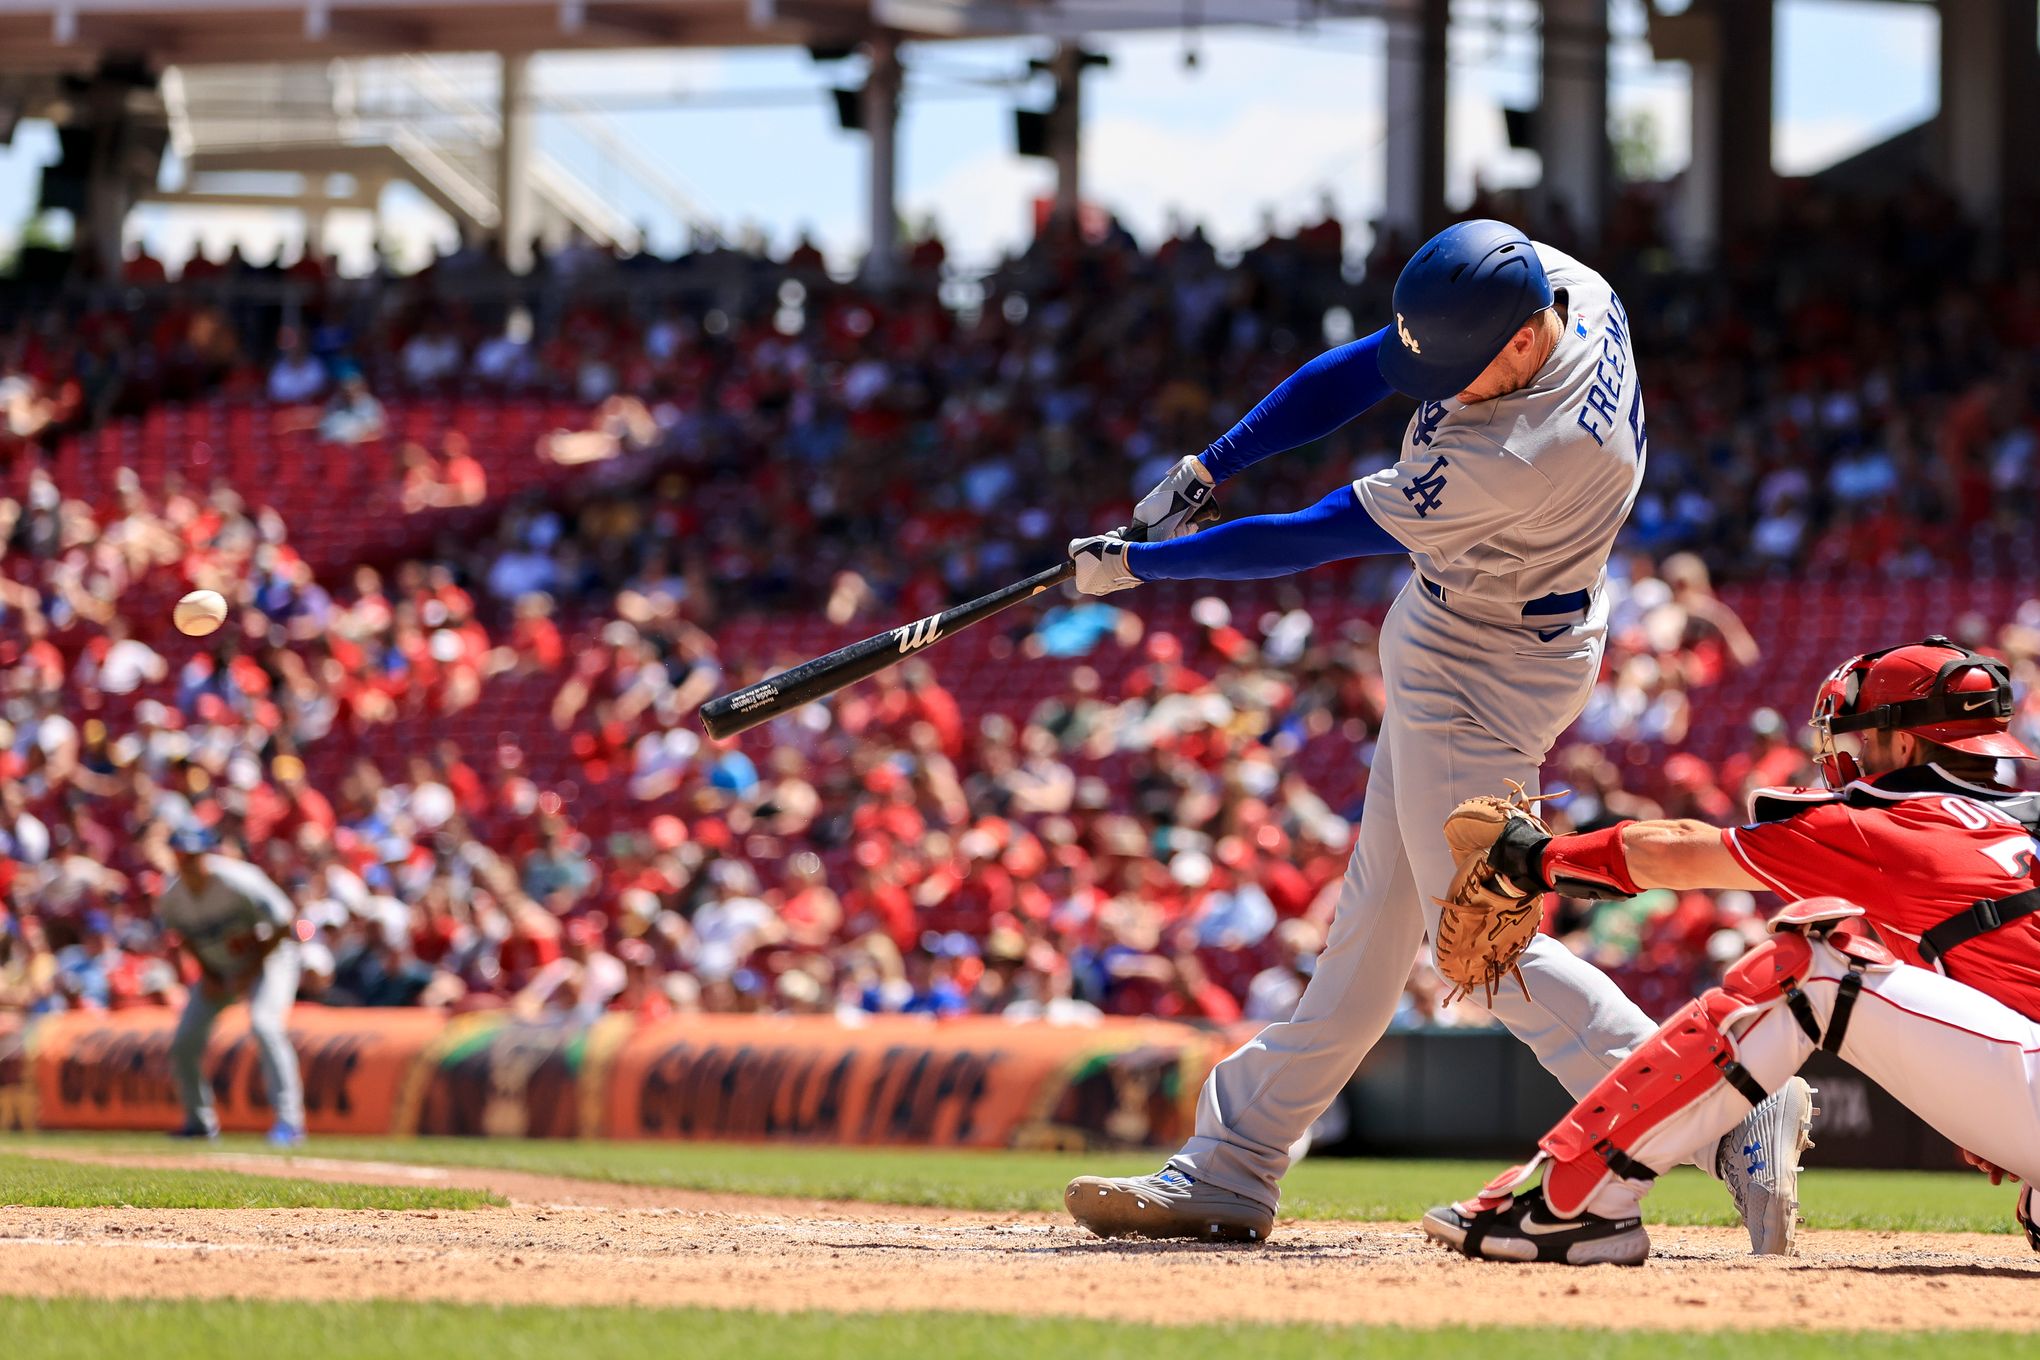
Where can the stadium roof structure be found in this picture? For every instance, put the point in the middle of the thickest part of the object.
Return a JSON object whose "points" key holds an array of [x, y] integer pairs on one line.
{"points": [[69, 59], [266, 87], [44, 35]]}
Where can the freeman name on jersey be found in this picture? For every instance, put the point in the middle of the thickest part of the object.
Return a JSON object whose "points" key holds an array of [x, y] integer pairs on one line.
{"points": [[1604, 397]]}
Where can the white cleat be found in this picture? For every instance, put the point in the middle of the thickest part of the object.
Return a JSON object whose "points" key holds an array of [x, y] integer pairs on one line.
{"points": [[1759, 1162]]}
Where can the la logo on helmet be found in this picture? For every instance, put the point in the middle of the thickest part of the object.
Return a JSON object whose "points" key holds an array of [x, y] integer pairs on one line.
{"points": [[1403, 333]]}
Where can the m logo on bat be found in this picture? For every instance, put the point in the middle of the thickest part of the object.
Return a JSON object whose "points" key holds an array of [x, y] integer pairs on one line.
{"points": [[915, 636]]}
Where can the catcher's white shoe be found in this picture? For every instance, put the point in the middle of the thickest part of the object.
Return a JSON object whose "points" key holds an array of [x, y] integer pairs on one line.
{"points": [[1759, 1162], [1166, 1204]]}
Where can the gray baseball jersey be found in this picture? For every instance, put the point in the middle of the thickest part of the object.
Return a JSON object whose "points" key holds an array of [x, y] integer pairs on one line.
{"points": [[1519, 499], [237, 899]]}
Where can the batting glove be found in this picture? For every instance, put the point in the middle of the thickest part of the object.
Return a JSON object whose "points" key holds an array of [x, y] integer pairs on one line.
{"points": [[1180, 502], [1101, 564]]}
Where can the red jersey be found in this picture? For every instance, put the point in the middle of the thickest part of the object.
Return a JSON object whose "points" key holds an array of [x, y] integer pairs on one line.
{"points": [[1912, 848]]}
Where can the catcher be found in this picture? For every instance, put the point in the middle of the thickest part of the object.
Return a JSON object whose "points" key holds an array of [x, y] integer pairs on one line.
{"points": [[1910, 948]]}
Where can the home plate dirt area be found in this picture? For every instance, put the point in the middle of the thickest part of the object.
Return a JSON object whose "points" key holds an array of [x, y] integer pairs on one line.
{"points": [[578, 1242]]}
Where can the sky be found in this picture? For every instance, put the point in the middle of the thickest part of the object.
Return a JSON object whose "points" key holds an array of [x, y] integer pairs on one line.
{"points": [[1264, 122]]}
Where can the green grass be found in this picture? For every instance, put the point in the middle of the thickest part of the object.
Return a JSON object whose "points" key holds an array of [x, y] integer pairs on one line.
{"points": [[70, 1329], [1954, 1201], [41, 1183]]}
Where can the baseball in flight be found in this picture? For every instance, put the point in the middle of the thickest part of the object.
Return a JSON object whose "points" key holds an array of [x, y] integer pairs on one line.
{"points": [[200, 612]]}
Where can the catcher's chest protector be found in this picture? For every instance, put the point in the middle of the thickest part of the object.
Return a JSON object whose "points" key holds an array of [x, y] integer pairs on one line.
{"points": [[1690, 1055]]}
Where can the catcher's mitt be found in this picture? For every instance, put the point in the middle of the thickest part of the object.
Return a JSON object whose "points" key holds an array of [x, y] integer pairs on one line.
{"points": [[1487, 918]]}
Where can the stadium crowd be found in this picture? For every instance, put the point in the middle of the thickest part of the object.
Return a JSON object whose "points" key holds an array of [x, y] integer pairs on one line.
{"points": [[1852, 392], [1157, 834]]}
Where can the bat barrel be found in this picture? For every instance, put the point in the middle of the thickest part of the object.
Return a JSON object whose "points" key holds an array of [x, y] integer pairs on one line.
{"points": [[740, 710], [722, 717]]}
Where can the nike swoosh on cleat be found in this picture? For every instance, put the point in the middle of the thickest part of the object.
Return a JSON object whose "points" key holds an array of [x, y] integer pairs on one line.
{"points": [[1534, 1226], [1537, 1227]]}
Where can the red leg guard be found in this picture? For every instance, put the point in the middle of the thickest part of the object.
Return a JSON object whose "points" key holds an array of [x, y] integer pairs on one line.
{"points": [[1683, 1061]]}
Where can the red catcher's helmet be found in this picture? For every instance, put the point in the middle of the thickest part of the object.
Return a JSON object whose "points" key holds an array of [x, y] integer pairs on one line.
{"points": [[1936, 690]]}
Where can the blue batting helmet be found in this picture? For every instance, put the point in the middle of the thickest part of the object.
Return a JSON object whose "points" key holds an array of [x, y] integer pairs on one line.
{"points": [[1457, 302]]}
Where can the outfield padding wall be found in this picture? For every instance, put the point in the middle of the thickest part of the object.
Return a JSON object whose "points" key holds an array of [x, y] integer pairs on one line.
{"points": [[969, 1082]]}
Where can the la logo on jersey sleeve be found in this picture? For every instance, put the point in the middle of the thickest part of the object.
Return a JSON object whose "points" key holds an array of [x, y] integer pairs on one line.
{"points": [[1424, 490]]}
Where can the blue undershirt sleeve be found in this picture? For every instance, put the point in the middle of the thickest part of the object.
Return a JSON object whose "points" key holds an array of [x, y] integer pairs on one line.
{"points": [[1311, 402], [1259, 546]]}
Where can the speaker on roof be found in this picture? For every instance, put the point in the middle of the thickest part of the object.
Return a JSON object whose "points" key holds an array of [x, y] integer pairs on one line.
{"points": [[1030, 132], [849, 109]]}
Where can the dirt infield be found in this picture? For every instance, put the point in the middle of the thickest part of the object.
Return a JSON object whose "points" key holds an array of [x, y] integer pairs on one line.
{"points": [[578, 1242]]}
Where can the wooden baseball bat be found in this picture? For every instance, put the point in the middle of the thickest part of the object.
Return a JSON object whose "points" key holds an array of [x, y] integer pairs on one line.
{"points": [[740, 710]]}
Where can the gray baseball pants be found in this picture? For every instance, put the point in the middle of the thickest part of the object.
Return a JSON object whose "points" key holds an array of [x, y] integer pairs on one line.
{"points": [[269, 1005], [1470, 705]]}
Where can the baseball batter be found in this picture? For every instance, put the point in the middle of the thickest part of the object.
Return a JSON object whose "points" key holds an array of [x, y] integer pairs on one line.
{"points": [[236, 925], [1922, 971], [1516, 473]]}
